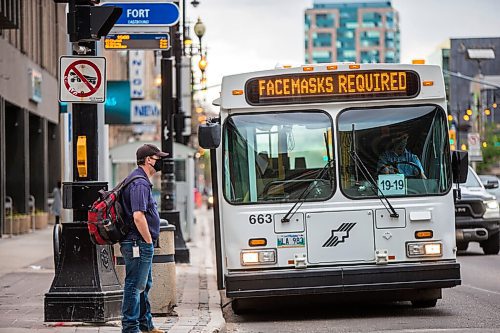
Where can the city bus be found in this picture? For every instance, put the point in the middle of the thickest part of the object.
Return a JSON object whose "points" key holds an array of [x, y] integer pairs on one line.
{"points": [[334, 178]]}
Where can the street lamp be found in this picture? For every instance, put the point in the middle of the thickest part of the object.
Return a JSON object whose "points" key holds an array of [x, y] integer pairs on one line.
{"points": [[202, 64], [199, 30]]}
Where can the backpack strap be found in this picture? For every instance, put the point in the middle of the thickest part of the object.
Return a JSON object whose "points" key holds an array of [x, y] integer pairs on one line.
{"points": [[127, 182]]}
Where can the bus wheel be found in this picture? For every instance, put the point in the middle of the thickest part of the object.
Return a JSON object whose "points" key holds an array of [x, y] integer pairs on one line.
{"points": [[237, 307], [428, 303]]}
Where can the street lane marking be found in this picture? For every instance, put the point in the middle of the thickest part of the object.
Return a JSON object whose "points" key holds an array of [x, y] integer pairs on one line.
{"points": [[481, 289], [464, 329]]}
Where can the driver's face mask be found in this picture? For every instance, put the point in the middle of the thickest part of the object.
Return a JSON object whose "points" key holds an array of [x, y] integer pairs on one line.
{"points": [[399, 148]]}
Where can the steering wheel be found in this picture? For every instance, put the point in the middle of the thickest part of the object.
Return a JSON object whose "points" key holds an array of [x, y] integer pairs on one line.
{"points": [[394, 165], [267, 187]]}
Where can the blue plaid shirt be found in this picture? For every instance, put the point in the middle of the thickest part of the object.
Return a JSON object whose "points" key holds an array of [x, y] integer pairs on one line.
{"points": [[391, 159]]}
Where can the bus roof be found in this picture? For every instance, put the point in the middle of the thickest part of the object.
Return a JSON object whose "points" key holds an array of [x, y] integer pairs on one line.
{"points": [[345, 82]]}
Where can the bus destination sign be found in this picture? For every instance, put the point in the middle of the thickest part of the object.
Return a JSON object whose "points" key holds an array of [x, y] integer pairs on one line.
{"points": [[327, 87], [137, 42]]}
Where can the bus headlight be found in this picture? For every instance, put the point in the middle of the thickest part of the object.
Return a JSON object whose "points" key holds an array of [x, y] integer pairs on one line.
{"points": [[492, 210], [258, 257], [424, 249]]}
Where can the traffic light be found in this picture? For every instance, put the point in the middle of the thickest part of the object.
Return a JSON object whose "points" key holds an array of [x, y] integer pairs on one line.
{"points": [[87, 23], [453, 136]]}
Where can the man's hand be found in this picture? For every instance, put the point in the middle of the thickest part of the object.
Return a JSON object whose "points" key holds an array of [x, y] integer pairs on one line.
{"points": [[142, 226], [388, 169]]}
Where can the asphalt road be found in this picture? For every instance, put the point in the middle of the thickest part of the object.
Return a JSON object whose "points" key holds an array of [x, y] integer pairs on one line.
{"points": [[472, 307]]}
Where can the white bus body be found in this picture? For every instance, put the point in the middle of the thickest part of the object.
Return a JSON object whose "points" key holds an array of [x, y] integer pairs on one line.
{"points": [[341, 237]]}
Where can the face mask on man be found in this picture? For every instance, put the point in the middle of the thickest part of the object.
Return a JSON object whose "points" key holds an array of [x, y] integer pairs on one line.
{"points": [[158, 165]]}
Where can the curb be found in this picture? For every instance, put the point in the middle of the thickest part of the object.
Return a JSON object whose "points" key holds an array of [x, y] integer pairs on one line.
{"points": [[217, 322]]}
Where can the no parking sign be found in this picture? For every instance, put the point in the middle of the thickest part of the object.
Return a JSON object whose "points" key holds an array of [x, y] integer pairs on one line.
{"points": [[82, 79]]}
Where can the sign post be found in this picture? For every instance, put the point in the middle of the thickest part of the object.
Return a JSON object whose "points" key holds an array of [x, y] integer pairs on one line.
{"points": [[141, 18]]}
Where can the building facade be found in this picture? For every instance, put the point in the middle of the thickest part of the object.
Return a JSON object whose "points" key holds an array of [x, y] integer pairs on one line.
{"points": [[362, 32], [473, 102], [32, 37]]}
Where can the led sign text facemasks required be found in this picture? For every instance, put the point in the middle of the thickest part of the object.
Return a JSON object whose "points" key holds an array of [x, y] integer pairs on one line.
{"points": [[324, 87]]}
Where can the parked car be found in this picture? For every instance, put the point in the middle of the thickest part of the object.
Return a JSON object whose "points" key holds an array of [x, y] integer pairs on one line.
{"points": [[477, 216], [491, 184]]}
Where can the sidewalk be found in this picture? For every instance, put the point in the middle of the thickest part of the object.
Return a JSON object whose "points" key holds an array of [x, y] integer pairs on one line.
{"points": [[27, 270]]}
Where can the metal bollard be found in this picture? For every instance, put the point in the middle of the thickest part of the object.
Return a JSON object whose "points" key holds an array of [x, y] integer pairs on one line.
{"points": [[162, 295]]}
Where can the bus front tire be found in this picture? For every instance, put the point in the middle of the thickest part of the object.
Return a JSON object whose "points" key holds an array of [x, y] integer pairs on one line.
{"points": [[428, 303], [237, 307]]}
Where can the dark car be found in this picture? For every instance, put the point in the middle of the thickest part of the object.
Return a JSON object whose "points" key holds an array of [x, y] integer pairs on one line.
{"points": [[477, 216]]}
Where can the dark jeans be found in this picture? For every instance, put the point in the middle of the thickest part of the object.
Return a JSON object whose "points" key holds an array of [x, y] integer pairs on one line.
{"points": [[136, 309]]}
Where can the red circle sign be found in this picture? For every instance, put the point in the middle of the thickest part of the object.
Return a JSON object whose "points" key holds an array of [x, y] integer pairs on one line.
{"points": [[75, 76]]}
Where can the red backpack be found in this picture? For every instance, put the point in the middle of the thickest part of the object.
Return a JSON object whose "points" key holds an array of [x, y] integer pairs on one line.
{"points": [[105, 218]]}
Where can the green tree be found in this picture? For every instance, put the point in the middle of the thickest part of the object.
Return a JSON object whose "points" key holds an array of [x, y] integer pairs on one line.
{"points": [[491, 153]]}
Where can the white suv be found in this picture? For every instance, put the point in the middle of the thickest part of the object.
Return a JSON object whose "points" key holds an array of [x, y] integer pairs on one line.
{"points": [[477, 216]]}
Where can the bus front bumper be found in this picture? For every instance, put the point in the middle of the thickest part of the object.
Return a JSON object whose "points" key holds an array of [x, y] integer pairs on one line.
{"points": [[320, 280]]}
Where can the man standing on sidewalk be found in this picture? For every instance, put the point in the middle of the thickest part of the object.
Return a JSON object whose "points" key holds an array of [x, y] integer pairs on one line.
{"points": [[140, 211]]}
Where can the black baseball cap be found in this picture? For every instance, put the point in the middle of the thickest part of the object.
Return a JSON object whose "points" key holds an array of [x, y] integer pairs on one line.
{"points": [[149, 150]]}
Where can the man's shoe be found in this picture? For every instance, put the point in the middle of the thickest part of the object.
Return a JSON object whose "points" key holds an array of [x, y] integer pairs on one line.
{"points": [[154, 330]]}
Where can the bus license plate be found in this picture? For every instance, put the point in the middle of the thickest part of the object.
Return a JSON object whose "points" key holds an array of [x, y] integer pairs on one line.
{"points": [[291, 240]]}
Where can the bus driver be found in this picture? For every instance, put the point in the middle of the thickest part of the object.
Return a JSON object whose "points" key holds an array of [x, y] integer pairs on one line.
{"points": [[397, 159]]}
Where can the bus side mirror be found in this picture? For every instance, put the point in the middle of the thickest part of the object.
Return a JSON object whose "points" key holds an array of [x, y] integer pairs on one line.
{"points": [[459, 166], [209, 135]]}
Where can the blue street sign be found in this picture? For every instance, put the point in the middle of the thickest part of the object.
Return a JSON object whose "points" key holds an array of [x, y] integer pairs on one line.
{"points": [[146, 13]]}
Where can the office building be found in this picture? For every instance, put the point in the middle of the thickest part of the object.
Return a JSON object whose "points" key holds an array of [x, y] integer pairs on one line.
{"points": [[32, 37], [362, 32]]}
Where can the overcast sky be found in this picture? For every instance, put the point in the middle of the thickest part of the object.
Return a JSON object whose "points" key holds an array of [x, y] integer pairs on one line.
{"points": [[249, 35]]}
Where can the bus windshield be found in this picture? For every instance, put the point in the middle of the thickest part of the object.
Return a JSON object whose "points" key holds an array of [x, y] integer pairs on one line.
{"points": [[394, 151], [278, 156]]}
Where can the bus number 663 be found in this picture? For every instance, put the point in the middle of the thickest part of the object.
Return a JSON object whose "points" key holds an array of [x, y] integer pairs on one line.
{"points": [[260, 218]]}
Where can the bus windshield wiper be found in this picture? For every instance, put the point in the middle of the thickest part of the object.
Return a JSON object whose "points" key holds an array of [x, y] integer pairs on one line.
{"points": [[376, 190], [305, 193], [364, 171]]}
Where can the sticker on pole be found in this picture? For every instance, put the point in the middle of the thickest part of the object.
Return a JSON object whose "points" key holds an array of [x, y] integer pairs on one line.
{"points": [[82, 79]]}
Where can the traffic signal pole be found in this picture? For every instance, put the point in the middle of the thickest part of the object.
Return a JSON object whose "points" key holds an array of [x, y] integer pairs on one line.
{"points": [[169, 106], [85, 286]]}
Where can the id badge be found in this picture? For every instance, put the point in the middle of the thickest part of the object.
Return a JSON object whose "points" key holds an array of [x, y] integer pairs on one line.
{"points": [[135, 251]]}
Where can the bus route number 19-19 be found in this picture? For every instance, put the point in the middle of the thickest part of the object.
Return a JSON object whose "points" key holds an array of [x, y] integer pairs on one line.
{"points": [[392, 184], [260, 218]]}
